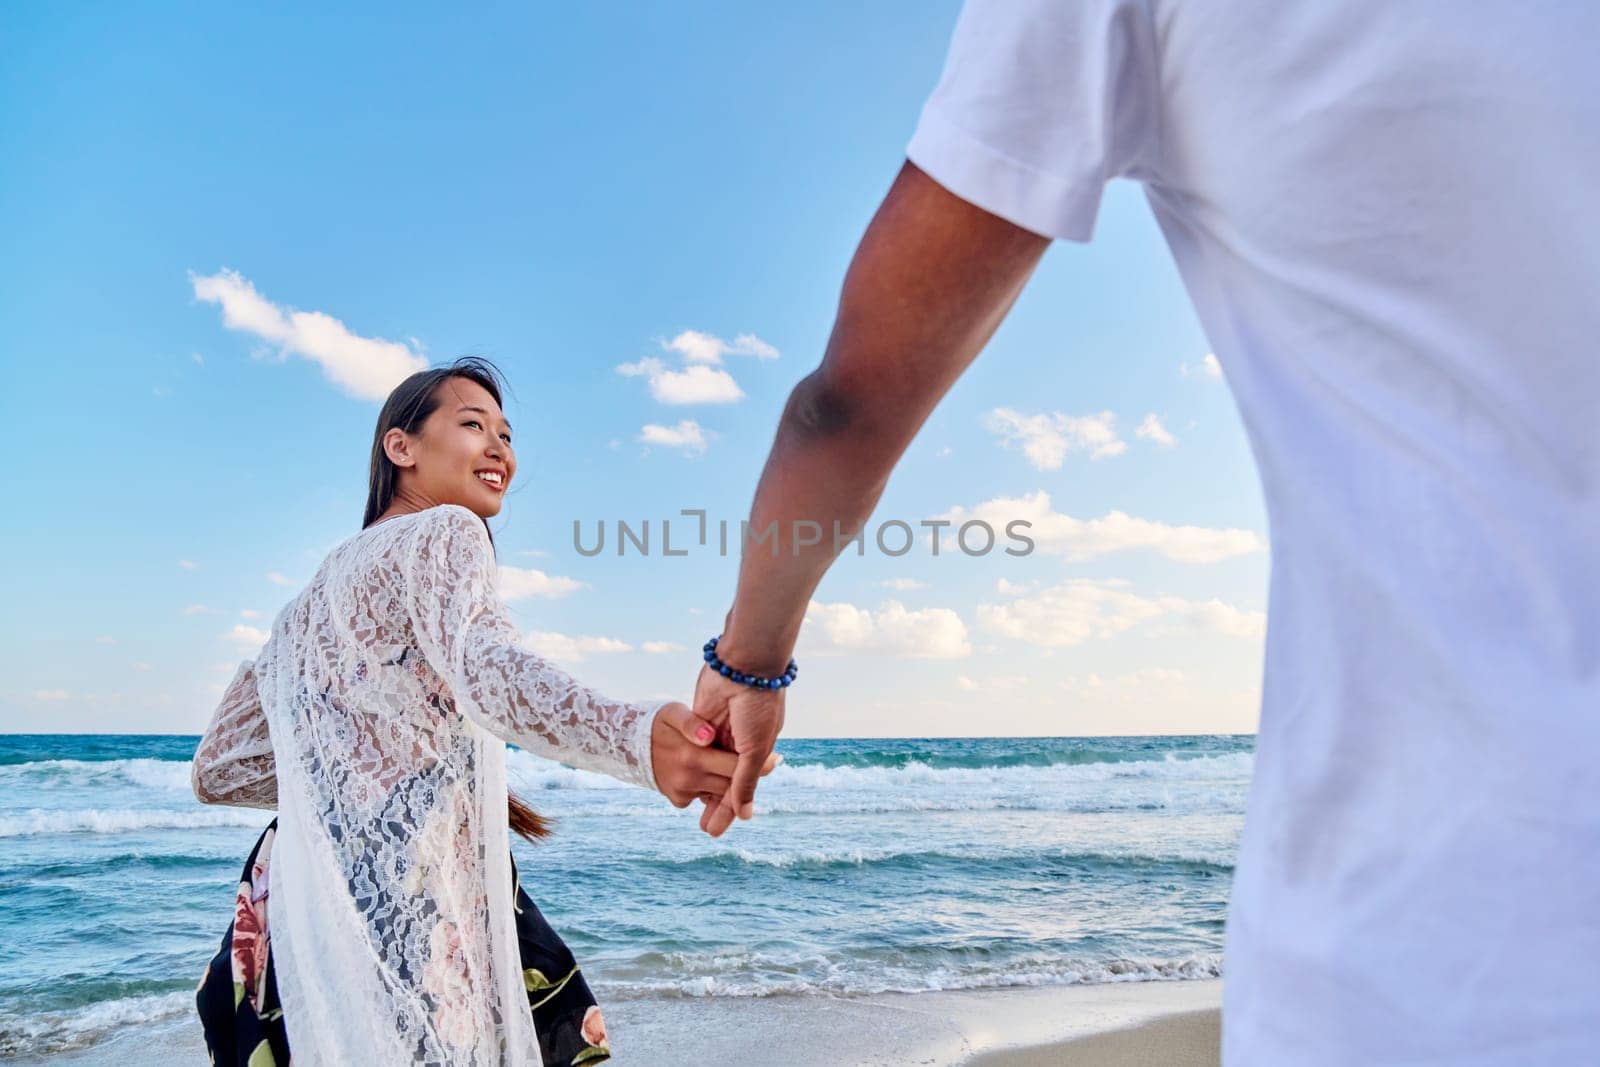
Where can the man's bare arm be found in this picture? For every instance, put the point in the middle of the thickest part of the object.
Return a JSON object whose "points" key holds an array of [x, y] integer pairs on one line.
{"points": [[930, 282]]}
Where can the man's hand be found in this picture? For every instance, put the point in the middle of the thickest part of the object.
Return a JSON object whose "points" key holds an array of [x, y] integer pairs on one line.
{"points": [[686, 768], [747, 721]]}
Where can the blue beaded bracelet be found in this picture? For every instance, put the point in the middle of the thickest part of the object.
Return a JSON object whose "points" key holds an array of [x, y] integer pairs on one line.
{"points": [[781, 682]]}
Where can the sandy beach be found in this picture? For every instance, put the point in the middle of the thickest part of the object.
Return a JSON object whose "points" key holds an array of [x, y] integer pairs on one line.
{"points": [[1192, 1039], [1170, 1023]]}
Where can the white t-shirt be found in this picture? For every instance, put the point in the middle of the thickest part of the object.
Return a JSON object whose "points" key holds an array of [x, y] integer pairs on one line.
{"points": [[1387, 215]]}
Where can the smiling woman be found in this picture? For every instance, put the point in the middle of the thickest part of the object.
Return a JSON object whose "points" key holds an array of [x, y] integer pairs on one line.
{"points": [[375, 720], [442, 436]]}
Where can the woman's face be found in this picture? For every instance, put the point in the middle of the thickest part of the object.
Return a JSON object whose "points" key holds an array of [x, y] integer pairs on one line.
{"points": [[458, 452]]}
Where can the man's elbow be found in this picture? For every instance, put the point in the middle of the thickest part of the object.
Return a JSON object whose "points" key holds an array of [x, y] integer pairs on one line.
{"points": [[819, 409]]}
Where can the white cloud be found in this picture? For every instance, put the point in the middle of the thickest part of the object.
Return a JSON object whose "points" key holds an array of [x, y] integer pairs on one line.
{"points": [[199, 609], [105, 639], [534, 552], [1014, 588], [748, 344], [565, 648], [246, 613], [51, 694], [698, 347], [995, 683], [1084, 609], [662, 646], [687, 435], [160, 391], [647, 366], [1206, 368], [1145, 681], [1068, 614], [905, 583], [188, 564], [1079, 539], [277, 579], [364, 367], [703, 381], [1211, 616], [1151, 429], [1046, 439], [246, 636], [198, 358], [844, 629], [522, 583], [139, 665], [693, 385]]}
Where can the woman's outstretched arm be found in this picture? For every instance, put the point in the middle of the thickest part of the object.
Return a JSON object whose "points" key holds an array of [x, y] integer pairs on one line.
{"points": [[467, 635], [234, 763]]}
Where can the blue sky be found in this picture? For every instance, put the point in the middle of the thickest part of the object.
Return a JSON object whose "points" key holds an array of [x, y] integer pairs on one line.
{"points": [[570, 192]]}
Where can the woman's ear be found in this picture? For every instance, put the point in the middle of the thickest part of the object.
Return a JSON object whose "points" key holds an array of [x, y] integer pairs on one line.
{"points": [[397, 446]]}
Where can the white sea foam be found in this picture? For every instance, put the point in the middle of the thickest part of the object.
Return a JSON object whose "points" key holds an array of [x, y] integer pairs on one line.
{"points": [[752, 975], [168, 775], [125, 820], [778, 800], [58, 1031], [916, 774], [532, 773], [864, 855]]}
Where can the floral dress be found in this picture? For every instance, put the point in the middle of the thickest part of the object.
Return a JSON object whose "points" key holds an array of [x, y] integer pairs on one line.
{"points": [[243, 1019]]}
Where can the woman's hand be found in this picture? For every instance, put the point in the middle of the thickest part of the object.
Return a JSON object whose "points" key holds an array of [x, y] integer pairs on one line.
{"points": [[686, 770]]}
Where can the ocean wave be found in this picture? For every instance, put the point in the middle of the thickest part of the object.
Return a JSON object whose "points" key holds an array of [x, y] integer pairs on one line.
{"points": [[531, 773], [751, 975], [125, 863], [117, 821], [49, 1032], [992, 753], [1218, 861], [777, 801], [166, 775], [1234, 765]]}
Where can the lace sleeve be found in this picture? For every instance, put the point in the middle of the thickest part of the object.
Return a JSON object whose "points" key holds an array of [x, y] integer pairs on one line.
{"points": [[234, 763], [466, 633]]}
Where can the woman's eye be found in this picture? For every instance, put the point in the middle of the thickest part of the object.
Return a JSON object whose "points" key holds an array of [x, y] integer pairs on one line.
{"points": [[479, 425]]}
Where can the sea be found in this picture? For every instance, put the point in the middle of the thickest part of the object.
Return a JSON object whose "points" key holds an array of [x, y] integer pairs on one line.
{"points": [[871, 866]]}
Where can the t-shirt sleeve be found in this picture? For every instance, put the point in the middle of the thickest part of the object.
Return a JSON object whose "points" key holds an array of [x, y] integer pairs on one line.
{"points": [[468, 637], [1041, 102]]}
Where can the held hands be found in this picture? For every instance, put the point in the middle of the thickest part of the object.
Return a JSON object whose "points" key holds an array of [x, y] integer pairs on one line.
{"points": [[687, 768], [747, 721]]}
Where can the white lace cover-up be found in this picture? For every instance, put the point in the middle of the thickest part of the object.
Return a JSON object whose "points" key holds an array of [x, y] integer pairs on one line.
{"points": [[375, 719]]}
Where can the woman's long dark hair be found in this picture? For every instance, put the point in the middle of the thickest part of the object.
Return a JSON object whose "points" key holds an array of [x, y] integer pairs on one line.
{"points": [[407, 408]]}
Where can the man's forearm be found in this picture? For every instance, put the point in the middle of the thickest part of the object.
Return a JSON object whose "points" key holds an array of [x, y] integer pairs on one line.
{"points": [[931, 280], [825, 473]]}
